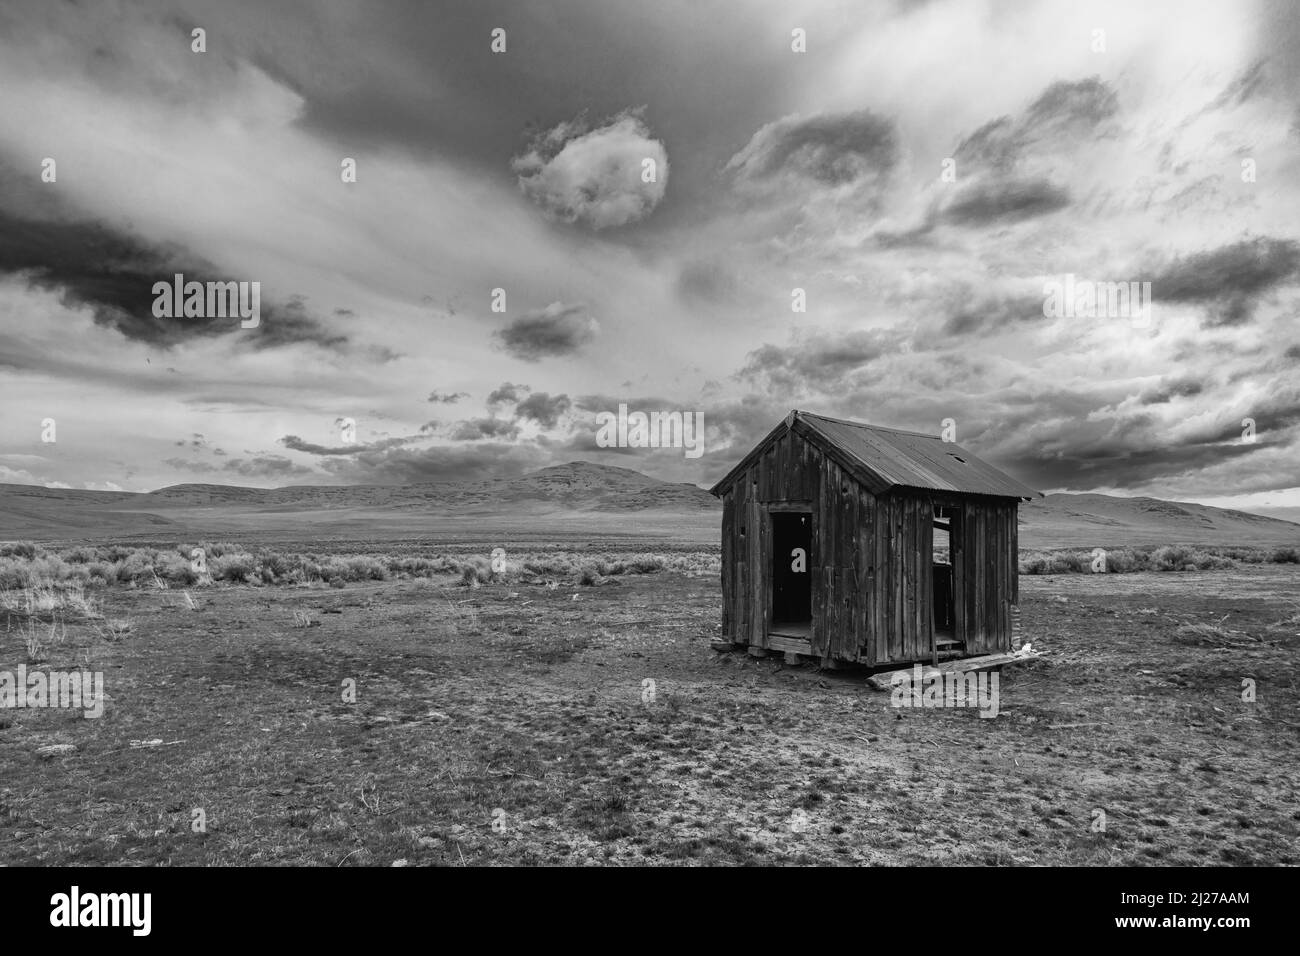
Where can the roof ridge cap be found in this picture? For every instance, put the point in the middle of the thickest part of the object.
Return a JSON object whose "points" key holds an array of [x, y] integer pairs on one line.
{"points": [[868, 425]]}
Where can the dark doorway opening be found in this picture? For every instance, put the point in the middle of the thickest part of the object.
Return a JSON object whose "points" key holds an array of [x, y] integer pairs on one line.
{"points": [[947, 545], [792, 571]]}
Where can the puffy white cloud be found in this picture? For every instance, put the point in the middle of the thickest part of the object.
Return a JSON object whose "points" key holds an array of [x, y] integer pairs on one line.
{"points": [[596, 176]]}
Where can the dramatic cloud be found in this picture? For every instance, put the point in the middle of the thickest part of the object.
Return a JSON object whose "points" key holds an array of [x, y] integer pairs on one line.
{"points": [[478, 428], [1230, 279], [543, 409], [1006, 200], [1157, 161], [506, 392], [817, 359], [1168, 391], [601, 177], [1055, 122], [114, 274], [294, 443], [555, 330], [973, 310], [94, 265], [837, 149]]}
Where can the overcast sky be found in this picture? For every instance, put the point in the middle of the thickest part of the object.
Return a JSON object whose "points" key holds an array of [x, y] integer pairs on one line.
{"points": [[1113, 156]]}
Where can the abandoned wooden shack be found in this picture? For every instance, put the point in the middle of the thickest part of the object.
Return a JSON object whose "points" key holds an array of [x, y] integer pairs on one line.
{"points": [[830, 530]]}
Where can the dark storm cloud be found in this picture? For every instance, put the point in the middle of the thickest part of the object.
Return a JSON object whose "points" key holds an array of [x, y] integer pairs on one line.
{"points": [[1006, 200], [819, 359], [994, 187], [506, 392], [540, 407], [446, 398], [1090, 460], [424, 77], [556, 330], [291, 323], [109, 272], [1230, 280], [830, 149], [113, 274], [1079, 440]]}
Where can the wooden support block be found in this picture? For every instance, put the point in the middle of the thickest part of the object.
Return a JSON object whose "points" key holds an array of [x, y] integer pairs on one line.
{"points": [[790, 645], [984, 662], [757, 652]]}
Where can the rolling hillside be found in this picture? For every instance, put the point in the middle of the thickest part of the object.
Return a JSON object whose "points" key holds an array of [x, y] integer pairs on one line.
{"points": [[574, 496], [1059, 521]]}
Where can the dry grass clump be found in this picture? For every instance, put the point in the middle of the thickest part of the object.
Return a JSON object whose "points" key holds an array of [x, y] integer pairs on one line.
{"points": [[1169, 557]]}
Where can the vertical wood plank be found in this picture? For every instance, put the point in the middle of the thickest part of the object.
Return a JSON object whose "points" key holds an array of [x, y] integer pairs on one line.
{"points": [[828, 557], [744, 543], [758, 574], [850, 636], [1015, 553], [728, 556], [864, 554]]}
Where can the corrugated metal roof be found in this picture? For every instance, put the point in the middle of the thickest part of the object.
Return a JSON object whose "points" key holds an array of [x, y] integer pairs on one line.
{"points": [[904, 459]]}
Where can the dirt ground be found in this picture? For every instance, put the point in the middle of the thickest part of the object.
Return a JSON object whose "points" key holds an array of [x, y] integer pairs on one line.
{"points": [[511, 724]]}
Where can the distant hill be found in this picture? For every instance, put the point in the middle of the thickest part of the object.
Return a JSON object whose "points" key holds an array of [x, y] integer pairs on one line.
{"points": [[1061, 520], [577, 489], [574, 496], [580, 485]]}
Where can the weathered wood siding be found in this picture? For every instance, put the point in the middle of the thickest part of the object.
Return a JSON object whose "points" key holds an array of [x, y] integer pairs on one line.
{"points": [[871, 584], [847, 564], [985, 566], [904, 592]]}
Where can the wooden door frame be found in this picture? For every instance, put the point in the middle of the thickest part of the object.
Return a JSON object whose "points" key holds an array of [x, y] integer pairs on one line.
{"points": [[787, 506], [956, 513]]}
